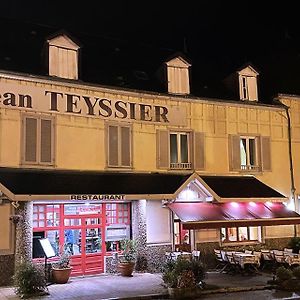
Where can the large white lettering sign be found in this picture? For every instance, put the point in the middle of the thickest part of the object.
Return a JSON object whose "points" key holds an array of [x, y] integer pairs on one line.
{"points": [[59, 101]]}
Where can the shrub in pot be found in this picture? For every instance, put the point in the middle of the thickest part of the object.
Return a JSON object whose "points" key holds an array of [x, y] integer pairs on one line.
{"points": [[182, 277], [128, 257], [61, 270]]}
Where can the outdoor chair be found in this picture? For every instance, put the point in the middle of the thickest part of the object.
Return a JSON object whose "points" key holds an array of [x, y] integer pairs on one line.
{"points": [[196, 254], [267, 257], [279, 257], [218, 257], [234, 266]]}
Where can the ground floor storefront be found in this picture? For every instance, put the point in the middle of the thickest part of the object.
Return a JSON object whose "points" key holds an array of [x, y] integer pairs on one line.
{"points": [[89, 213]]}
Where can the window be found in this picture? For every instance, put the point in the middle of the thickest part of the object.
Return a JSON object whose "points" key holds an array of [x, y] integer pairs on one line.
{"points": [[119, 146], [248, 84], [248, 153], [179, 151], [38, 141], [241, 234], [244, 88]]}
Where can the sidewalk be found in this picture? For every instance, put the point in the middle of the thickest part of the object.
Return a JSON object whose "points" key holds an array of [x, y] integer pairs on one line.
{"points": [[140, 286]]}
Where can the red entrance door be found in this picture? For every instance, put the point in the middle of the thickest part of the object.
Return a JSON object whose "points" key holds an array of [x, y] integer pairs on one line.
{"points": [[83, 233]]}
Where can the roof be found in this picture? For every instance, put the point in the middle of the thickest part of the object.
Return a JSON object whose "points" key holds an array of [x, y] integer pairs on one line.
{"points": [[131, 64], [240, 187], [217, 215], [53, 182]]}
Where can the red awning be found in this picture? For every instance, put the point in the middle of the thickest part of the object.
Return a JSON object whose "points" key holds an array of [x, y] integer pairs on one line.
{"points": [[231, 214]]}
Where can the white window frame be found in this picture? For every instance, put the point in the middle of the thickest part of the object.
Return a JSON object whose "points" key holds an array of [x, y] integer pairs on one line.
{"points": [[179, 164], [39, 118], [244, 88], [226, 239], [248, 166]]}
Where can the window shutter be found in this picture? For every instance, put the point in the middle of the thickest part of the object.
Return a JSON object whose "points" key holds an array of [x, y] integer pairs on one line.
{"points": [[252, 88], [30, 140], [46, 141], [234, 153], [112, 145], [199, 159], [163, 149], [125, 146], [266, 153]]}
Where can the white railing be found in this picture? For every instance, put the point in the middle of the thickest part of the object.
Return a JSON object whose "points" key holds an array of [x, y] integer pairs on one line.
{"points": [[180, 166], [250, 168]]}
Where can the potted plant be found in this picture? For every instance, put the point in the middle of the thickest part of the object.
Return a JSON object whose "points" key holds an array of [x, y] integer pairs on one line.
{"points": [[128, 256], [61, 270], [182, 277]]}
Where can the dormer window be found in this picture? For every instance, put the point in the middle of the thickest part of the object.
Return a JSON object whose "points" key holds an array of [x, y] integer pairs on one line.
{"points": [[248, 84], [63, 57], [178, 76]]}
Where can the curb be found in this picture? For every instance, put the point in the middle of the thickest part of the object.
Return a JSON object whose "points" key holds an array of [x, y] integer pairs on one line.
{"points": [[199, 293]]}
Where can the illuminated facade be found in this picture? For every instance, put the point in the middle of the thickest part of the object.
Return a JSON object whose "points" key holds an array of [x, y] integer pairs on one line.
{"points": [[55, 127]]}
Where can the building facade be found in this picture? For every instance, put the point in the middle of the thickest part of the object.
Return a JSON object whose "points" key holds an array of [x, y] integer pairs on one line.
{"points": [[86, 165]]}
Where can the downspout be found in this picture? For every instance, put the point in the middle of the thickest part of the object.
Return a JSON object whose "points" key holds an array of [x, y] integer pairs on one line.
{"points": [[293, 189]]}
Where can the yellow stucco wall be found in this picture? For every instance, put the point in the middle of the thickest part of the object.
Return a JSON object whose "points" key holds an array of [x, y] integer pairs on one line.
{"points": [[80, 140]]}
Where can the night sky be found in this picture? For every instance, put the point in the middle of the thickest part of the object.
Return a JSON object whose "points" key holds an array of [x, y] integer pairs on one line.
{"points": [[215, 35]]}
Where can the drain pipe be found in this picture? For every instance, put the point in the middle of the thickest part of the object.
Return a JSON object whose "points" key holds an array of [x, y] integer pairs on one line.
{"points": [[293, 189]]}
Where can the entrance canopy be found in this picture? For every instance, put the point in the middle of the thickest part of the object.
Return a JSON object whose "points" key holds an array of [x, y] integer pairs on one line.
{"points": [[232, 214], [34, 184]]}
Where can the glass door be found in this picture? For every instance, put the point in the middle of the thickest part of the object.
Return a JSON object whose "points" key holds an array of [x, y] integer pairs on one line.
{"points": [[83, 237]]}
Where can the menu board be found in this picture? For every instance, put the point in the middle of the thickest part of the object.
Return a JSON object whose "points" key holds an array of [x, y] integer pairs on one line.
{"points": [[47, 248]]}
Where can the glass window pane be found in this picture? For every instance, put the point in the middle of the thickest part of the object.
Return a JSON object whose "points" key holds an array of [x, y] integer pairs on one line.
{"points": [[232, 234], [252, 152], [243, 234], [72, 241], [243, 152], [93, 240], [35, 224], [52, 235], [173, 148], [184, 148], [41, 223], [72, 222], [254, 233]]}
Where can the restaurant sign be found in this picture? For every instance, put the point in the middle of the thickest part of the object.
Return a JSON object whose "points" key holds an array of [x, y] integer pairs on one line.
{"points": [[105, 197], [88, 104]]}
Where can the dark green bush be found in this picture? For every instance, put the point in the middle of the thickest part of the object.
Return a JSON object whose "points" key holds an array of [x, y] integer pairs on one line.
{"points": [[296, 272], [294, 244], [283, 274], [29, 280], [175, 271]]}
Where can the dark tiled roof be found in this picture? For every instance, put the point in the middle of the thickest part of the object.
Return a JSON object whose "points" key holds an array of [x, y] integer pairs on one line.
{"points": [[240, 187], [134, 65], [50, 182]]}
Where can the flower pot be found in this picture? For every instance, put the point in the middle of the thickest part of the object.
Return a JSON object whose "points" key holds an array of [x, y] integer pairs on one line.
{"points": [[181, 293], [61, 275], [126, 268]]}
